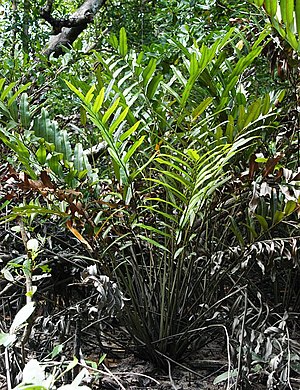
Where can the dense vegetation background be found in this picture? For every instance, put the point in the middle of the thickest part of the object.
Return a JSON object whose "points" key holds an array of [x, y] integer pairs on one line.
{"points": [[149, 189]]}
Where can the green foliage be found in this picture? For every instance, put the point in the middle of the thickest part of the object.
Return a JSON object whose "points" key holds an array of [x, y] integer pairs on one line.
{"points": [[173, 136], [175, 173], [285, 18]]}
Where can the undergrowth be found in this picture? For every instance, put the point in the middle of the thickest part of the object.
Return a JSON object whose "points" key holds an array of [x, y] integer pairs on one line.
{"points": [[181, 184]]}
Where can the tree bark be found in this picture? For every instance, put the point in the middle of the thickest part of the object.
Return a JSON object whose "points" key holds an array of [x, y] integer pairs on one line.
{"points": [[78, 22], [25, 26]]}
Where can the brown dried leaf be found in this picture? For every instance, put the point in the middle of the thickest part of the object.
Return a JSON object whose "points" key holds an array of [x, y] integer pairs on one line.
{"points": [[253, 166], [271, 164], [78, 235], [46, 180]]}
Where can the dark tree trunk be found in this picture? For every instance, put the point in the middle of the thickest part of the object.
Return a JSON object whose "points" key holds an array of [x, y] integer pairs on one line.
{"points": [[25, 26]]}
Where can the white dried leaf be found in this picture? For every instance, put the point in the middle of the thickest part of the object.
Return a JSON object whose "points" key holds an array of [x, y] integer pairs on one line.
{"points": [[22, 316], [32, 245], [33, 373]]}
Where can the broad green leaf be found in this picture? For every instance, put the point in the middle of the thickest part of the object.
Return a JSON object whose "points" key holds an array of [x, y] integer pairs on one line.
{"points": [[7, 90], [140, 58], [113, 40], [283, 12], [104, 132], [291, 38], [149, 70], [75, 90], [20, 149], [63, 145], [110, 111], [2, 81], [5, 110], [297, 13], [193, 154], [129, 132], [24, 111], [230, 129], [253, 112], [118, 120], [289, 207], [201, 108], [219, 135], [289, 13], [83, 117], [123, 42], [54, 163], [133, 148], [241, 118], [153, 85], [271, 7], [98, 101], [279, 28], [115, 156], [262, 221], [78, 157], [278, 217], [56, 350], [41, 154], [188, 89], [230, 86], [17, 93], [244, 62], [89, 96], [194, 65]]}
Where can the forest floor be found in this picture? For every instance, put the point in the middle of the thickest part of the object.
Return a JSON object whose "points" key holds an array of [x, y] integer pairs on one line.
{"points": [[68, 317]]}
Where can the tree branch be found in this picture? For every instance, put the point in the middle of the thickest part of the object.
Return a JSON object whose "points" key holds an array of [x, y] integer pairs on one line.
{"points": [[67, 30]]}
